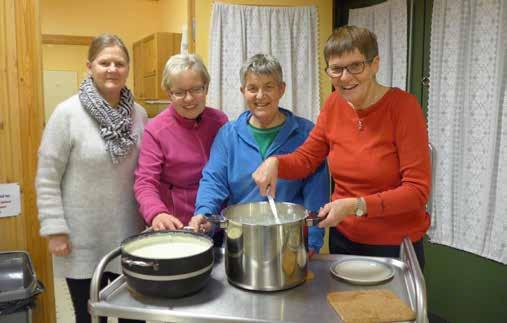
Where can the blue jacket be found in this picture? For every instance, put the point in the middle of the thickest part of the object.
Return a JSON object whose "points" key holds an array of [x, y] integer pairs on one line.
{"points": [[227, 177]]}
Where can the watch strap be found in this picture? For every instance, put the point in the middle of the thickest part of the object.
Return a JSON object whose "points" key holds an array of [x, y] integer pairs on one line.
{"points": [[359, 207]]}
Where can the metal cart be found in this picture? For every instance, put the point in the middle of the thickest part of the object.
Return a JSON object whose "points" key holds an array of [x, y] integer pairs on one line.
{"points": [[220, 301]]}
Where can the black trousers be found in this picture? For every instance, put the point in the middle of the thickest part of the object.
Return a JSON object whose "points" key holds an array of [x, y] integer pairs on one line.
{"points": [[338, 243], [80, 293]]}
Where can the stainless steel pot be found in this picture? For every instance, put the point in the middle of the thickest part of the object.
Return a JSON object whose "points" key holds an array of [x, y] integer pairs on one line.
{"points": [[262, 253]]}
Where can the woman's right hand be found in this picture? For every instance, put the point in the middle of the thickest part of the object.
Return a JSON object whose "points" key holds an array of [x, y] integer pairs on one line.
{"points": [[200, 223], [265, 176], [164, 221], [59, 245]]}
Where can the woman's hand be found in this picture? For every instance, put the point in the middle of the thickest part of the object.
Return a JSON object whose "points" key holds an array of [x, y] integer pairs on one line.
{"points": [[164, 221], [59, 245], [336, 211], [200, 223], [265, 176]]}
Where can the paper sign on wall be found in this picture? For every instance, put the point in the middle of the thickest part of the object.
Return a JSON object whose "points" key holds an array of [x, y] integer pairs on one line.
{"points": [[10, 202]]}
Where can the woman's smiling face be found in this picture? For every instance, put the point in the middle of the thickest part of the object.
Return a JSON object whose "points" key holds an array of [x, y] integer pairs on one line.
{"points": [[262, 94], [355, 88], [188, 92], [109, 71]]}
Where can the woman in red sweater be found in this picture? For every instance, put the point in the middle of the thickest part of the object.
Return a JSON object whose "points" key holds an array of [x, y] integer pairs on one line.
{"points": [[376, 142]]}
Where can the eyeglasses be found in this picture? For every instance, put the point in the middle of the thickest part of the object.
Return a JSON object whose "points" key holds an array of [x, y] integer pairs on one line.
{"points": [[195, 91], [354, 68]]}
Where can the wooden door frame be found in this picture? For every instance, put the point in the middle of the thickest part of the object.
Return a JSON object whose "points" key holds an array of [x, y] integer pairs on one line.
{"points": [[23, 118], [66, 40]]}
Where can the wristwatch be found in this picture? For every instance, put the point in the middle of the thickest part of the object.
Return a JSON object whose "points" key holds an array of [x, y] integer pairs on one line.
{"points": [[359, 207]]}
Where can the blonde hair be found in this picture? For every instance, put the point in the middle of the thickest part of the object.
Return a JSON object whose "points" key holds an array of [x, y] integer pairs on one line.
{"points": [[179, 63]]}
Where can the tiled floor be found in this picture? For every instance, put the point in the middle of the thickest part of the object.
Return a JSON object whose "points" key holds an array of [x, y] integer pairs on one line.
{"points": [[64, 309]]}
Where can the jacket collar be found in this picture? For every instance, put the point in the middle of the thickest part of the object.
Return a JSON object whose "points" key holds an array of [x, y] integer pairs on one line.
{"points": [[290, 125]]}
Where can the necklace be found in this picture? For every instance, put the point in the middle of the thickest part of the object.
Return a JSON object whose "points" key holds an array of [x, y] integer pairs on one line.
{"points": [[360, 122]]}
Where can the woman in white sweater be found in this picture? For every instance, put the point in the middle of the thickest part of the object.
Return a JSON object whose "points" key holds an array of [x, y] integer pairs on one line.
{"points": [[85, 174]]}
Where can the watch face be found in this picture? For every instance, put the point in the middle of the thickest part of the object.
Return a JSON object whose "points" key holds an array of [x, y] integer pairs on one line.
{"points": [[359, 212]]}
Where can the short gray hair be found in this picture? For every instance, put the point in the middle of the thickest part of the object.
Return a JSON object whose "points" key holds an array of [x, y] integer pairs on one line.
{"points": [[179, 63], [264, 64]]}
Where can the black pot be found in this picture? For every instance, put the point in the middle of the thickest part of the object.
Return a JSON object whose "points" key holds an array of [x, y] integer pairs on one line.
{"points": [[163, 272]]}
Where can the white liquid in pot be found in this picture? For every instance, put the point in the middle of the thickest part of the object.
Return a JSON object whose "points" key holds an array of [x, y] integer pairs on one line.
{"points": [[167, 247], [261, 214]]}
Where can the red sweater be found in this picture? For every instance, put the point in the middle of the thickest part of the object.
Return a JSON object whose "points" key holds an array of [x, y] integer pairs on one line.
{"points": [[381, 154]]}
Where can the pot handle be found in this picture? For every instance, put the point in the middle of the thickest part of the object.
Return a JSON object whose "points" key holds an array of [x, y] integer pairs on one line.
{"points": [[218, 219], [148, 229], [129, 262], [312, 219]]}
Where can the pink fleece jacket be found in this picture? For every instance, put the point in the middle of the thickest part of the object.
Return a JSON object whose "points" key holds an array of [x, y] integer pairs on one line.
{"points": [[173, 153]]}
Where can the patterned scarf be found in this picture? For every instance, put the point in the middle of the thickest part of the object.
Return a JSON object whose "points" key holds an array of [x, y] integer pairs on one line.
{"points": [[115, 124]]}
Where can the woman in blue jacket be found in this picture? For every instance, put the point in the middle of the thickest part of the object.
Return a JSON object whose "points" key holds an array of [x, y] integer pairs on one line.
{"points": [[242, 145]]}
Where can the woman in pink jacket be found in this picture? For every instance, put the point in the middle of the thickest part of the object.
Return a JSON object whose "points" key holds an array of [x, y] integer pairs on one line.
{"points": [[176, 146]]}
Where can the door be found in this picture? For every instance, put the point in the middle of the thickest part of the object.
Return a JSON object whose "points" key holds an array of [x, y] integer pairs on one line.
{"points": [[58, 86], [149, 53]]}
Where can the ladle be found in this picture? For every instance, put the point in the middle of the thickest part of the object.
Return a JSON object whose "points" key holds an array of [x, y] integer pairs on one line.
{"points": [[272, 206]]}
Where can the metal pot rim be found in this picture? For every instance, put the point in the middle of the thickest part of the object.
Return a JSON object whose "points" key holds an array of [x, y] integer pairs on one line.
{"points": [[148, 234], [307, 214]]}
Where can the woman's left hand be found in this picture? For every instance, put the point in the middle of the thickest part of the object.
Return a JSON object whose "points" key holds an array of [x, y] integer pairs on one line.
{"points": [[336, 211]]}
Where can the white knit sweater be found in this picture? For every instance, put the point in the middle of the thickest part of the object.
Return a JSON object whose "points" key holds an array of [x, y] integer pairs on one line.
{"points": [[81, 192]]}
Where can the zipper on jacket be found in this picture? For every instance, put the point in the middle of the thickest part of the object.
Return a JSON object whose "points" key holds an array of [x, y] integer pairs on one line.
{"points": [[203, 151]]}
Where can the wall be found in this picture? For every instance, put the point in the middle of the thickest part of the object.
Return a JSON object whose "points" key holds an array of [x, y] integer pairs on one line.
{"points": [[131, 20], [463, 287], [174, 14], [325, 9]]}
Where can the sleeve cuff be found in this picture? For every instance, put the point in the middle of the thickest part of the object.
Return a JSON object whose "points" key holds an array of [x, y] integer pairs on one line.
{"points": [[203, 211], [316, 238], [374, 205], [53, 226]]}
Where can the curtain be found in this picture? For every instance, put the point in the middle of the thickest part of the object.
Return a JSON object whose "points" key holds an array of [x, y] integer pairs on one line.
{"points": [[467, 115], [388, 21], [290, 34]]}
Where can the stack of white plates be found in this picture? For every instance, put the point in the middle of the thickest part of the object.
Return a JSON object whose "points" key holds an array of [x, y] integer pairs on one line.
{"points": [[362, 271]]}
